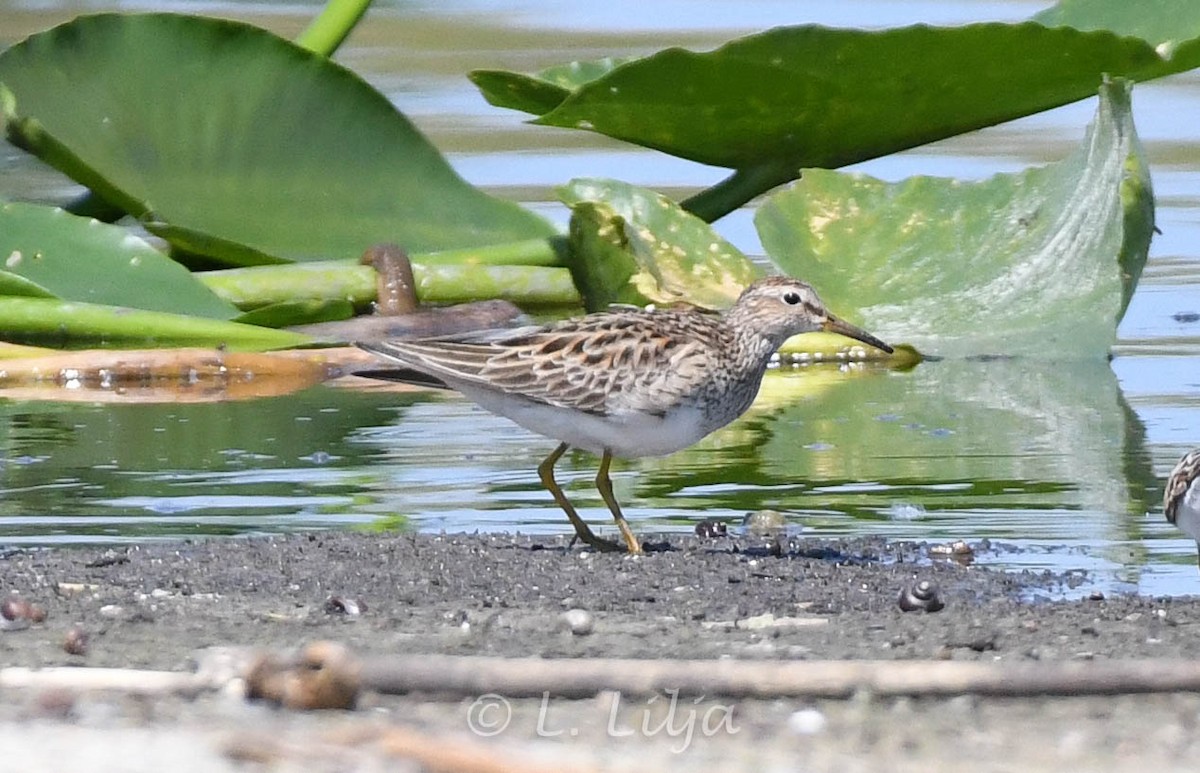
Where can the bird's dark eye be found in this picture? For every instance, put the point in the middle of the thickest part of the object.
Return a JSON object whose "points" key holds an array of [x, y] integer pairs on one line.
{"points": [[791, 299]]}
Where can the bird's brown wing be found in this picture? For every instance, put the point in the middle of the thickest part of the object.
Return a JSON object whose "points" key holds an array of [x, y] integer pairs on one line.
{"points": [[603, 363]]}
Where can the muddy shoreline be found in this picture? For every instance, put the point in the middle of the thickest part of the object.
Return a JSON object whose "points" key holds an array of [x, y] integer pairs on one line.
{"points": [[155, 606]]}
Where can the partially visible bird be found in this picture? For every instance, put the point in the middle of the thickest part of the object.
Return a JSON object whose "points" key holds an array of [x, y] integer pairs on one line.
{"points": [[1181, 500], [627, 382]]}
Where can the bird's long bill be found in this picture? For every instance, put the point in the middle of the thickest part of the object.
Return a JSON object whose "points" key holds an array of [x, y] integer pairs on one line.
{"points": [[835, 325]]}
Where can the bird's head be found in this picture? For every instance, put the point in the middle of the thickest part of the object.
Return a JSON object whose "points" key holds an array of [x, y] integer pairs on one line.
{"points": [[779, 307]]}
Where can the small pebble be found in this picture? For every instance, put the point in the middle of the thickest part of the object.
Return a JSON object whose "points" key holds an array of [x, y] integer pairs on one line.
{"points": [[344, 605], [958, 550], [920, 596], [324, 675], [711, 529], [764, 521], [16, 613], [579, 621], [807, 722], [76, 641]]}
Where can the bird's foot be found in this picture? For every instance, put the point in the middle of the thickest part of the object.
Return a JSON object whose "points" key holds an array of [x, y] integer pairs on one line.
{"points": [[599, 544]]}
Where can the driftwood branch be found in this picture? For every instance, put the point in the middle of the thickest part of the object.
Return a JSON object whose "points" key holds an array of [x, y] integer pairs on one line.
{"points": [[454, 676], [530, 677], [126, 680]]}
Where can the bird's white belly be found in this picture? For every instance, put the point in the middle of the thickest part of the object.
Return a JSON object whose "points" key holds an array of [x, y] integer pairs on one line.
{"points": [[629, 436], [1187, 517]]}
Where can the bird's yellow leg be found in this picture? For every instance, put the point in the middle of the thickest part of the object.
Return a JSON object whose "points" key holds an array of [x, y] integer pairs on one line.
{"points": [[604, 486], [546, 473]]}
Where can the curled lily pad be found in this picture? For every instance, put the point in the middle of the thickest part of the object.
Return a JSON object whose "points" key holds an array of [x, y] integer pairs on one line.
{"points": [[1038, 263], [631, 245]]}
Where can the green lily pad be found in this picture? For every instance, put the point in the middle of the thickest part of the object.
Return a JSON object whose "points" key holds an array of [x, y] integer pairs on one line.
{"points": [[52, 253], [235, 144], [631, 245], [1038, 263], [68, 324], [48, 252], [1155, 21], [811, 96]]}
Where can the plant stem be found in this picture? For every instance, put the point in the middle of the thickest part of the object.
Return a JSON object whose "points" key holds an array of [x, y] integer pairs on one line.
{"points": [[531, 252], [50, 321], [439, 283], [335, 21], [526, 286], [738, 189]]}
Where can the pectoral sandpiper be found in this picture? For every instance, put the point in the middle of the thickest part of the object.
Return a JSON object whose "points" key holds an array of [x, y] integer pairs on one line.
{"points": [[626, 382], [1181, 500]]}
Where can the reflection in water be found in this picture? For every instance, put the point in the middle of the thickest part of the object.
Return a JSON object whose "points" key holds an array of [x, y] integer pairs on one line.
{"points": [[79, 472], [949, 437]]}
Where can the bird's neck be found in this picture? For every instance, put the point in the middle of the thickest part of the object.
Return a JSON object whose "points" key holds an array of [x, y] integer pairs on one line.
{"points": [[736, 383], [756, 349]]}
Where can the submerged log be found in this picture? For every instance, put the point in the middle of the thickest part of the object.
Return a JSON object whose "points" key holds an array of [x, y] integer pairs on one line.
{"points": [[167, 375]]}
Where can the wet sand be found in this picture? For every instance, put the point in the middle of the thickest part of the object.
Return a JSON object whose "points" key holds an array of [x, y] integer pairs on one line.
{"points": [[755, 599]]}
